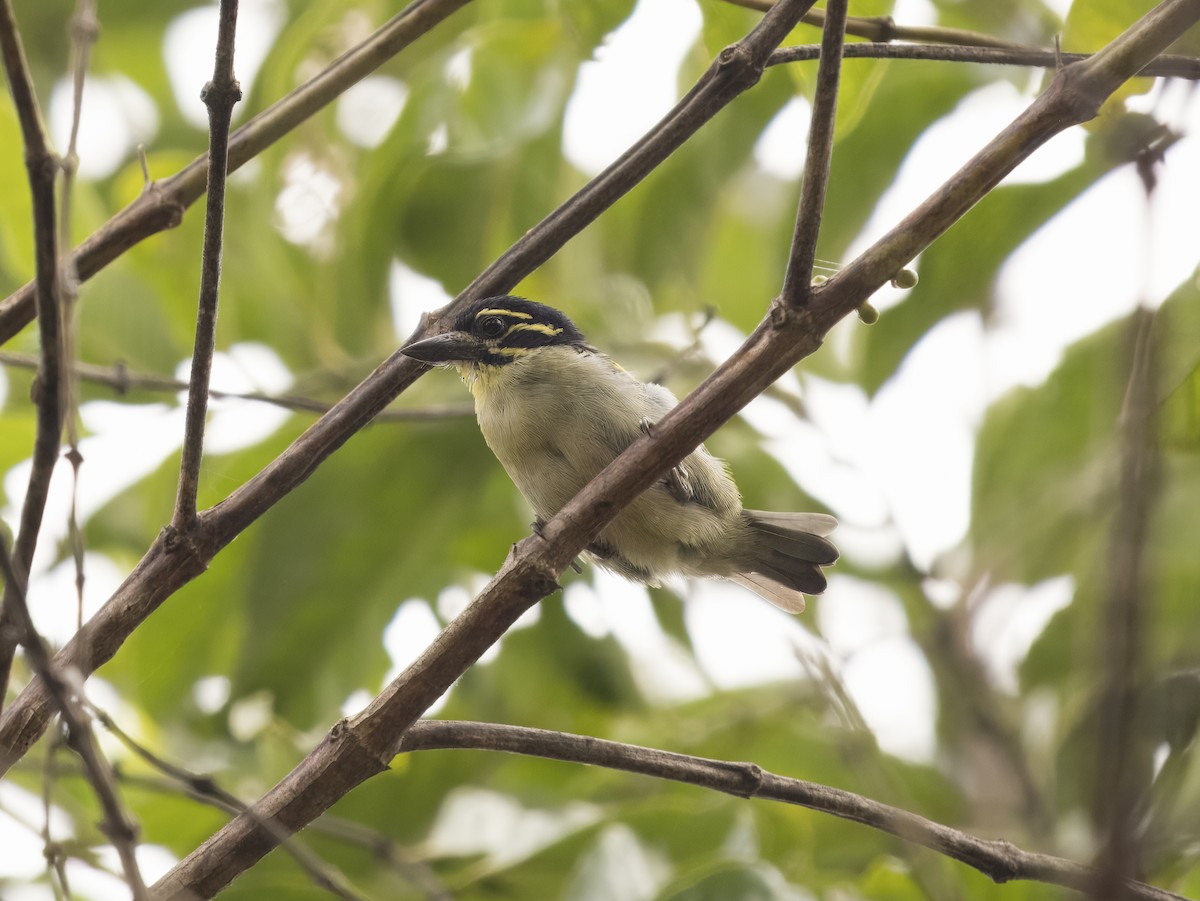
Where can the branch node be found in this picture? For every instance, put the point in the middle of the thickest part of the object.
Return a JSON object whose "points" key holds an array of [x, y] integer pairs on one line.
{"points": [[225, 94], [180, 541], [779, 313], [753, 778], [1005, 865], [736, 63], [1073, 93]]}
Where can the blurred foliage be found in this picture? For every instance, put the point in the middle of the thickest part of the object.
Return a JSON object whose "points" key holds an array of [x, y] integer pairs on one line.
{"points": [[243, 670]]}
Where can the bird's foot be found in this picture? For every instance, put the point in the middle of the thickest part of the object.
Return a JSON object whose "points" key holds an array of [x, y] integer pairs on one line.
{"points": [[678, 482]]}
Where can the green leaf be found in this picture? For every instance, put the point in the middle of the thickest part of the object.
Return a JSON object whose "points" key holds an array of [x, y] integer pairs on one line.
{"points": [[959, 270]]}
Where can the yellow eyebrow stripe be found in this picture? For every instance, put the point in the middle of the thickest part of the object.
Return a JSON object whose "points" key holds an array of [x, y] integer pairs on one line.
{"points": [[533, 327], [513, 313]]}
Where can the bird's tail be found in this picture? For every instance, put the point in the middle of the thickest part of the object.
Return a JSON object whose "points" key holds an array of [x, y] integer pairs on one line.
{"points": [[785, 563]]}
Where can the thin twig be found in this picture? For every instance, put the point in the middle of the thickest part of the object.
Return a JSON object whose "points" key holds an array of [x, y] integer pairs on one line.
{"points": [[884, 28], [1120, 638], [66, 850], [1000, 861], [163, 207], [352, 752], [118, 826], [84, 30], [874, 772], [207, 790], [1165, 66], [164, 569], [163, 204], [219, 95], [988, 714], [43, 168], [56, 863], [736, 68], [16, 625], [175, 558], [677, 360], [381, 846], [362, 746], [123, 380], [797, 280], [366, 742]]}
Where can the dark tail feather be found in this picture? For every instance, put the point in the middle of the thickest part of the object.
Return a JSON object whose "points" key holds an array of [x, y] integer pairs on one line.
{"points": [[786, 564]]}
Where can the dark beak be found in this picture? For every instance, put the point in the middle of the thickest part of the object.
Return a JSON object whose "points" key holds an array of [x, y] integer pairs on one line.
{"points": [[452, 347]]}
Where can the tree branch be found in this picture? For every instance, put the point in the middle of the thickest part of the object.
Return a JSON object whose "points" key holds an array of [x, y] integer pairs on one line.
{"points": [[362, 746], [1074, 96], [1121, 753], [170, 562], [176, 557], [219, 95], [884, 28], [43, 168], [355, 751], [118, 826], [163, 203], [84, 29], [123, 380], [737, 68], [206, 790], [797, 279], [1000, 861], [1166, 66]]}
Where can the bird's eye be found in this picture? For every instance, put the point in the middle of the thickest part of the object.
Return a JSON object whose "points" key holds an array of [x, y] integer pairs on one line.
{"points": [[492, 327]]}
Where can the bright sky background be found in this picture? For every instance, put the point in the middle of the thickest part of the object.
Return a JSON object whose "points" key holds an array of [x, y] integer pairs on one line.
{"points": [[857, 456]]}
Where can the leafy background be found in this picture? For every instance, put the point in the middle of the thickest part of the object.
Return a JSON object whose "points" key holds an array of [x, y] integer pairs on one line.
{"points": [[245, 668]]}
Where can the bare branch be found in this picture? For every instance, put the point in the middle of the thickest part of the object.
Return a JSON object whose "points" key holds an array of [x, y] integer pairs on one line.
{"points": [[1166, 66], [177, 557], [219, 95], [362, 749], [735, 69], [43, 168], [1074, 96], [1000, 861], [1120, 640], [84, 30], [56, 860], [118, 825], [797, 280], [123, 380], [884, 28], [356, 749], [206, 790], [162, 204]]}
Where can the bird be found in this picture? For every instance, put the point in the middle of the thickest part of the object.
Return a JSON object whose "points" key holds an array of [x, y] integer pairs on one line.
{"points": [[555, 411]]}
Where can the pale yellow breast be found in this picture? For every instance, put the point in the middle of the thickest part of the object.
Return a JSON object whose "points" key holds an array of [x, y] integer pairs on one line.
{"points": [[554, 422]]}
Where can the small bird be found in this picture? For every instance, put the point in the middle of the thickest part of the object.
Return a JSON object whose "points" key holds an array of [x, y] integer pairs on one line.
{"points": [[555, 411]]}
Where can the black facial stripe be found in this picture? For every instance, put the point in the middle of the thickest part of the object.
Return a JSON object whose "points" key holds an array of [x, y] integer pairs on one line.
{"points": [[528, 323]]}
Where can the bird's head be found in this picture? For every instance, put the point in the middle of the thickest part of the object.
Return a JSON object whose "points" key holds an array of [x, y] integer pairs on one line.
{"points": [[497, 331]]}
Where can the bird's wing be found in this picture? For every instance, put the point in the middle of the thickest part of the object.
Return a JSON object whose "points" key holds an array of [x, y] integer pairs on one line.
{"points": [[690, 481]]}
